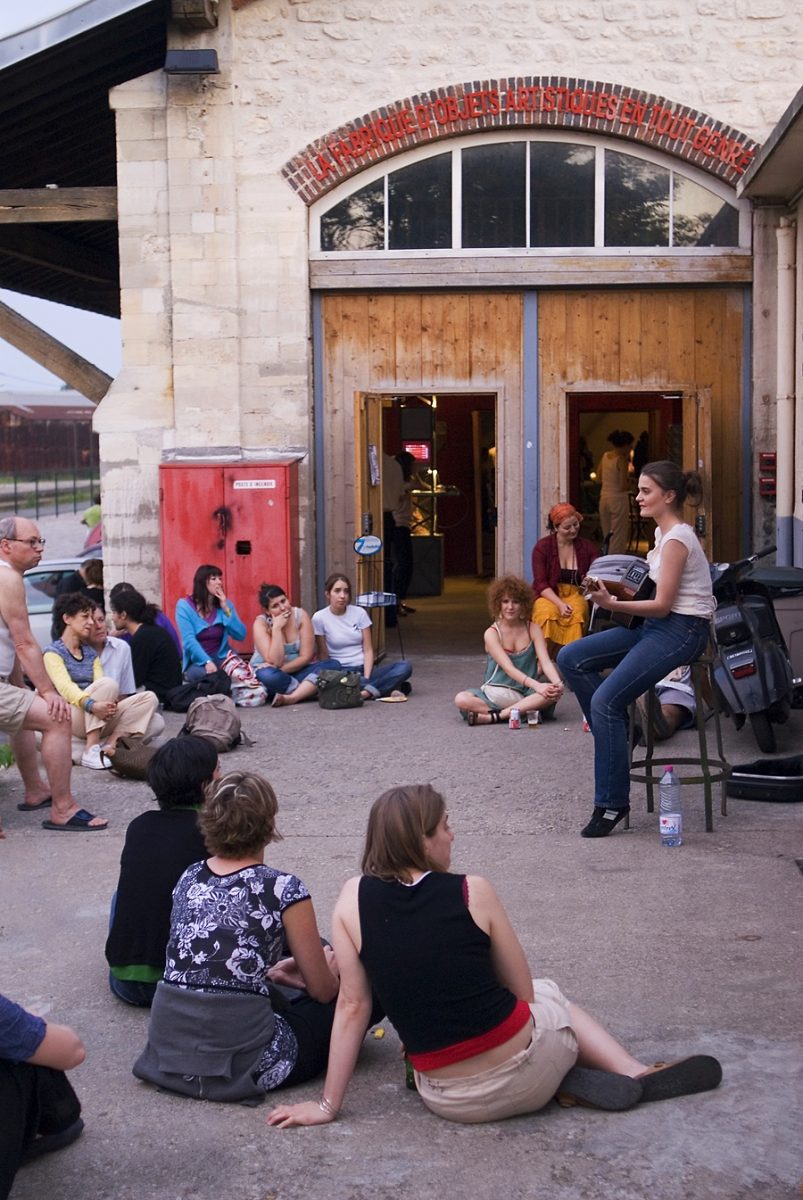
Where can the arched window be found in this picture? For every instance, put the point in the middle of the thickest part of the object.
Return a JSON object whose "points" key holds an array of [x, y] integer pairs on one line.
{"points": [[524, 192]]}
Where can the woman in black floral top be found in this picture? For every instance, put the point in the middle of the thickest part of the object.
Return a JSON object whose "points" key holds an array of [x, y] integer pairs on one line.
{"points": [[233, 921]]}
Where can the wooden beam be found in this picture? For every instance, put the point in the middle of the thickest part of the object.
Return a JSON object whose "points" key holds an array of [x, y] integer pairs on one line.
{"points": [[53, 355], [342, 273], [29, 205], [57, 253]]}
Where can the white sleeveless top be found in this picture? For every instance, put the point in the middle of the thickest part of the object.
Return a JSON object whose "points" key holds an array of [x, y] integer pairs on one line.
{"points": [[695, 597], [8, 654]]}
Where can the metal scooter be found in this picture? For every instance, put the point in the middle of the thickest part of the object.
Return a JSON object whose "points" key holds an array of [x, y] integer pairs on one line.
{"points": [[752, 670]]}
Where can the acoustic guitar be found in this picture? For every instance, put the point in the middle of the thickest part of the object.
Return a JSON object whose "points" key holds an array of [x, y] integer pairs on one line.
{"points": [[633, 584]]}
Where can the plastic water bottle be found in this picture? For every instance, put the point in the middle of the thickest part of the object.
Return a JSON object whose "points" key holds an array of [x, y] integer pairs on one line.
{"points": [[671, 818]]}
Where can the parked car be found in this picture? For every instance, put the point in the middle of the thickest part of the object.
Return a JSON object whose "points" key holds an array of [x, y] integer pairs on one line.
{"points": [[41, 586]]}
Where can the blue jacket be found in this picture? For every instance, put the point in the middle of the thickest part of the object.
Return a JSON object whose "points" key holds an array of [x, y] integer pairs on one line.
{"points": [[190, 623]]}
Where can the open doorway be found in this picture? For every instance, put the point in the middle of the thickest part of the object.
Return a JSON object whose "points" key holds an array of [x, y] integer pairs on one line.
{"points": [[452, 441], [655, 420]]}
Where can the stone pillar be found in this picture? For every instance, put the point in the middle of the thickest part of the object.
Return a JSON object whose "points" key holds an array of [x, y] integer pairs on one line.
{"points": [[215, 306]]}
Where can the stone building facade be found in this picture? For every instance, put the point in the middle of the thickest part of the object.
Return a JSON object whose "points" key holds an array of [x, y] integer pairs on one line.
{"points": [[233, 316]]}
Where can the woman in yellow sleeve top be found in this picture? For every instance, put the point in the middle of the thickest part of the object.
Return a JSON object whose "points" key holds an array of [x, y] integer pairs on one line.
{"points": [[98, 716]]}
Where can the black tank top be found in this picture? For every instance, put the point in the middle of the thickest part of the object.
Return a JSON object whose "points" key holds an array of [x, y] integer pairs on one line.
{"points": [[429, 963]]}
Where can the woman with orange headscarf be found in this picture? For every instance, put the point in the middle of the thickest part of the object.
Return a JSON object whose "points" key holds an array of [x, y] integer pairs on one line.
{"points": [[560, 562]]}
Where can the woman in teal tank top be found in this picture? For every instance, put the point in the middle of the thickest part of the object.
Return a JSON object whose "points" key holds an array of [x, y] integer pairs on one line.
{"points": [[515, 654]]}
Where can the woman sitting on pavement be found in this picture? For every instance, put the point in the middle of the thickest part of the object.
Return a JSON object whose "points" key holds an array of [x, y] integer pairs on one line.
{"points": [[515, 650], [560, 563], [98, 716], [159, 846], [343, 633], [485, 1039], [219, 1030], [206, 620], [284, 649], [161, 619], [156, 662]]}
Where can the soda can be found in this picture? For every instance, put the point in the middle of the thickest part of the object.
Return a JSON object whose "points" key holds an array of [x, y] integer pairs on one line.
{"points": [[533, 718], [515, 719]]}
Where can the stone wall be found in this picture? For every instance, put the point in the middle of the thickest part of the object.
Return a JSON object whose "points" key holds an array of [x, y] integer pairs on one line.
{"points": [[213, 240]]}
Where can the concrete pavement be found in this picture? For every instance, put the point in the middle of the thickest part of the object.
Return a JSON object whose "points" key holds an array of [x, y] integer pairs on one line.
{"points": [[696, 949]]}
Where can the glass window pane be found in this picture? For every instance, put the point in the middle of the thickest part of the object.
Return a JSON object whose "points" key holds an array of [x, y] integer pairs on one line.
{"points": [[700, 218], [494, 195], [636, 202], [420, 205], [356, 223], [561, 194]]}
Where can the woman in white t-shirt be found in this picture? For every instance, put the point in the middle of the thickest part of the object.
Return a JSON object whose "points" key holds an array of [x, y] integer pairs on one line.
{"points": [[675, 631], [343, 633]]}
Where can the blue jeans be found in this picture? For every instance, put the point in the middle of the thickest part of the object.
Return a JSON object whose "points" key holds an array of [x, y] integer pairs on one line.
{"points": [[274, 679], [640, 657], [385, 678]]}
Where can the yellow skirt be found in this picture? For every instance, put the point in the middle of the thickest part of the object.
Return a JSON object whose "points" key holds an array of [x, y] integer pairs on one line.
{"points": [[557, 629]]}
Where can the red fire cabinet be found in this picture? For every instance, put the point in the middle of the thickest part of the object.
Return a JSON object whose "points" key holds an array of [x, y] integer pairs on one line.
{"points": [[242, 517]]}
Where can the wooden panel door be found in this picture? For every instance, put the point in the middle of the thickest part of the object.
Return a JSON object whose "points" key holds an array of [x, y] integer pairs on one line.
{"points": [[369, 572]]}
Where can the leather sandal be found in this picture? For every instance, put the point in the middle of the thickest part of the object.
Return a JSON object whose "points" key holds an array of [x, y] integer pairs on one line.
{"points": [[473, 718]]}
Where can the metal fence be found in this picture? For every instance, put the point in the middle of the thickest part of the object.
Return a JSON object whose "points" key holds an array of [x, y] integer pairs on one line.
{"points": [[48, 492]]}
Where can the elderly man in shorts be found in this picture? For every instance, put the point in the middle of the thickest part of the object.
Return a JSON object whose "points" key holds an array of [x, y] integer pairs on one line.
{"points": [[23, 712]]}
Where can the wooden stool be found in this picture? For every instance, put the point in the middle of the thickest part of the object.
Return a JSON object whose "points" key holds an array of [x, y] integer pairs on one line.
{"points": [[712, 770]]}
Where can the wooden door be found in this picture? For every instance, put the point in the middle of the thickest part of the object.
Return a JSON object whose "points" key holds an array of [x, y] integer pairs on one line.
{"points": [[697, 457], [369, 572]]}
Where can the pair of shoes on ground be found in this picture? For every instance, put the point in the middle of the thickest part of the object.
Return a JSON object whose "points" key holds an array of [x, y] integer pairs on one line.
{"points": [[404, 610], [604, 821], [616, 1093], [93, 758]]}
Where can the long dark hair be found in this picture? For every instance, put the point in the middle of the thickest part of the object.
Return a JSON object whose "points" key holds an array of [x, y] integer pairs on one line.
{"points": [[687, 485], [202, 598], [131, 602], [397, 824]]}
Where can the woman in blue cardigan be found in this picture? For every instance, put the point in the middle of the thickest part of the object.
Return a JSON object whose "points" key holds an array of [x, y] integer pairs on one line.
{"points": [[206, 620]]}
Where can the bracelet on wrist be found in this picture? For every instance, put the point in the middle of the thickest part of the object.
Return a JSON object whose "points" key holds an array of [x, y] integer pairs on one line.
{"points": [[327, 1107]]}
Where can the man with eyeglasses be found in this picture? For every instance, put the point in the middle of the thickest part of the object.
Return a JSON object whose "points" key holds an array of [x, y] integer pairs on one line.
{"points": [[23, 712]]}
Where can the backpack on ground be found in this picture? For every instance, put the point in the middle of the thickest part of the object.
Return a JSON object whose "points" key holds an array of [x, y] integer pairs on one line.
{"points": [[214, 718], [179, 699]]}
